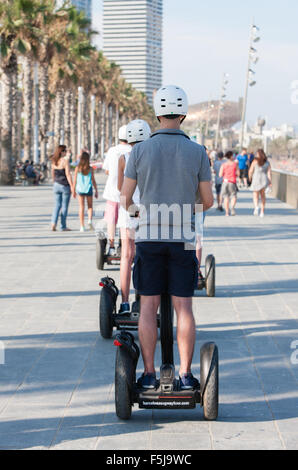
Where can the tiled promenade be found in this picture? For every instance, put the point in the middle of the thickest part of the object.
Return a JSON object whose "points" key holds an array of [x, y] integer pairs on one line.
{"points": [[56, 386]]}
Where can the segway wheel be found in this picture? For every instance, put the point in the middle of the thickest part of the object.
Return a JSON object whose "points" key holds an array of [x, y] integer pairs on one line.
{"points": [[124, 381], [209, 381], [210, 275], [100, 253], [106, 309]]}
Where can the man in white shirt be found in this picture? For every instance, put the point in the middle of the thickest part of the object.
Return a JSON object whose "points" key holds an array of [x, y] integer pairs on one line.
{"points": [[111, 192]]}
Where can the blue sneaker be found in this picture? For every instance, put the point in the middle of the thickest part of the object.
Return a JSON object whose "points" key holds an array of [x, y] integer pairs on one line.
{"points": [[124, 308], [188, 382], [147, 381]]}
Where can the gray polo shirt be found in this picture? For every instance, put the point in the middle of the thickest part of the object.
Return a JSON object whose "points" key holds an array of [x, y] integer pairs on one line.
{"points": [[168, 168]]}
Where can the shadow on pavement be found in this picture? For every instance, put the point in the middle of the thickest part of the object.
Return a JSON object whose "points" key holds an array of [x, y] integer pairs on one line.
{"points": [[254, 290], [54, 370], [270, 232]]}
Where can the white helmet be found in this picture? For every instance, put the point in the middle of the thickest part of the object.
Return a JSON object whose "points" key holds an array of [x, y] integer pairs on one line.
{"points": [[137, 131], [122, 133], [169, 100]]}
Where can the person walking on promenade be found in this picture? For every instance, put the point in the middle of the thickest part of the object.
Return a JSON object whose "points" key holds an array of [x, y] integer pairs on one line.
{"points": [[260, 177], [62, 188], [82, 186], [168, 169], [137, 131], [243, 162], [229, 172], [218, 181], [111, 192]]}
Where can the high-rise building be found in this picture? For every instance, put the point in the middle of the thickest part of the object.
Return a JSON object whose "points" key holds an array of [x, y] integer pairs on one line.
{"points": [[84, 5], [132, 37]]}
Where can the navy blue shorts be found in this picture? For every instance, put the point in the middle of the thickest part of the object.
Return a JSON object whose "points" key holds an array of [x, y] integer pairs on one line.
{"points": [[162, 267], [218, 188]]}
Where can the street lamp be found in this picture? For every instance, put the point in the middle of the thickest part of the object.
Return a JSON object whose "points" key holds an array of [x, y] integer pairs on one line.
{"points": [[210, 106], [250, 82], [221, 105]]}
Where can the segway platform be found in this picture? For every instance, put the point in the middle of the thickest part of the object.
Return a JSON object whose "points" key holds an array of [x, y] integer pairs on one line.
{"points": [[177, 400], [109, 318], [102, 256], [167, 394], [129, 321]]}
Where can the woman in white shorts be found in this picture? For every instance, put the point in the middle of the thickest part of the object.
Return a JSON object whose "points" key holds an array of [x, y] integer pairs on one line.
{"points": [[137, 131]]}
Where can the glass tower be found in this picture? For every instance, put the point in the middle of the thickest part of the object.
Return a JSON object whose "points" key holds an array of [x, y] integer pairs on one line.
{"points": [[132, 37], [85, 5]]}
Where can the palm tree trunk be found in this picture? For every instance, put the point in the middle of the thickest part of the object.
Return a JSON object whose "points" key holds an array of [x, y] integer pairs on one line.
{"points": [[52, 126], [74, 125], [58, 116], [116, 128], [44, 114], [110, 125], [106, 127], [67, 118], [8, 71], [15, 119], [86, 135], [97, 126], [121, 120], [103, 128], [28, 107]]}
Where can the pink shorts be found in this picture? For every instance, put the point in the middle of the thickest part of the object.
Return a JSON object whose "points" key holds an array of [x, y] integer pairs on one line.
{"points": [[112, 212]]}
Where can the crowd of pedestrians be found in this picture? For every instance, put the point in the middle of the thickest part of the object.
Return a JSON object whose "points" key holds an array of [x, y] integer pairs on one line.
{"points": [[233, 172]]}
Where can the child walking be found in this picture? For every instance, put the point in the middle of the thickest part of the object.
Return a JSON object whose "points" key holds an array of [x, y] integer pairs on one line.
{"points": [[83, 182]]}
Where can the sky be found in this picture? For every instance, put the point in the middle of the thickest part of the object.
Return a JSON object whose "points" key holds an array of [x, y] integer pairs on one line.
{"points": [[202, 40]]}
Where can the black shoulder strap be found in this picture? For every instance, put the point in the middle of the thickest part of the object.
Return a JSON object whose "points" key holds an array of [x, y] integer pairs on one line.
{"points": [[170, 133]]}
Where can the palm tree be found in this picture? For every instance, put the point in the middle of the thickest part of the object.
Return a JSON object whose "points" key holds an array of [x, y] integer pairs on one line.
{"points": [[52, 28], [25, 17], [75, 50], [59, 40], [10, 45], [8, 71]]}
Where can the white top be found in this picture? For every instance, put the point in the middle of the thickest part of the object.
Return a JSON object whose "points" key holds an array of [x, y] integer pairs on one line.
{"points": [[136, 194], [111, 192]]}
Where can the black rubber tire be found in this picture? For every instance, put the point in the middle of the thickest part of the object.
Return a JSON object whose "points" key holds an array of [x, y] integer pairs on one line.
{"points": [[124, 380], [210, 276], [210, 398], [106, 309], [100, 253]]}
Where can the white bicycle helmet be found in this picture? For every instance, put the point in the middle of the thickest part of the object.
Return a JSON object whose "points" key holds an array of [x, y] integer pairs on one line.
{"points": [[122, 133], [170, 100], [137, 131]]}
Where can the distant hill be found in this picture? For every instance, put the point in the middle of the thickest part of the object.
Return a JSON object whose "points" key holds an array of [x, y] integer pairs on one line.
{"points": [[230, 115]]}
